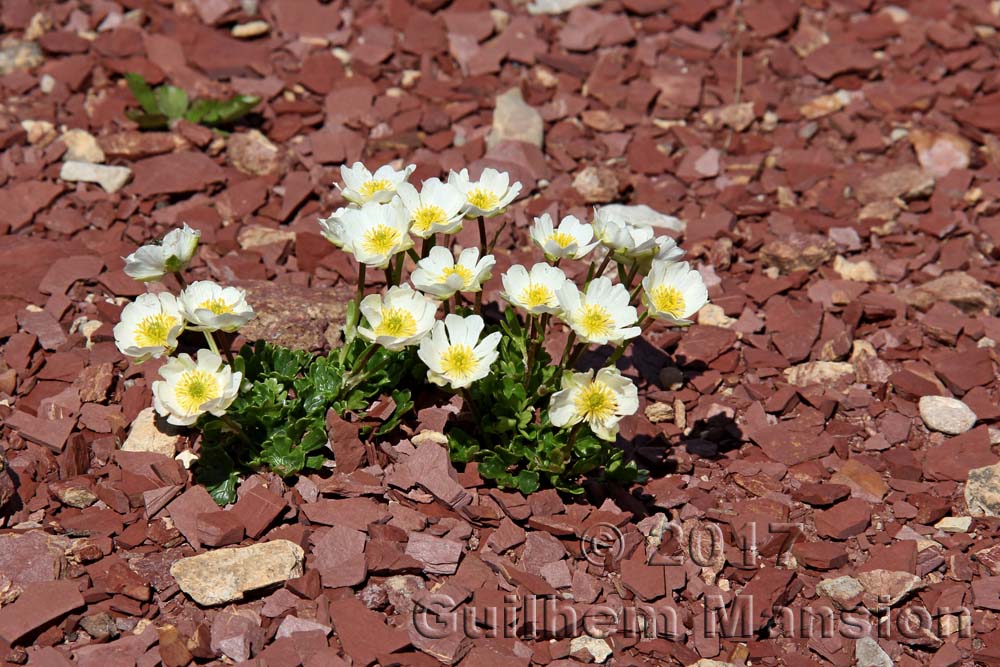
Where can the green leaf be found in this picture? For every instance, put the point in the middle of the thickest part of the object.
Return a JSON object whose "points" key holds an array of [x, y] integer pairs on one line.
{"points": [[172, 101], [527, 481], [142, 93], [147, 121], [217, 471]]}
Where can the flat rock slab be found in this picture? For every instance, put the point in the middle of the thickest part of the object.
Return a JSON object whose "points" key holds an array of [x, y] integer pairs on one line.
{"points": [[221, 576], [296, 316], [39, 604]]}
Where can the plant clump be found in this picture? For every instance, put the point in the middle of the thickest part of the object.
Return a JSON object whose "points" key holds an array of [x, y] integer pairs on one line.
{"points": [[526, 418]]}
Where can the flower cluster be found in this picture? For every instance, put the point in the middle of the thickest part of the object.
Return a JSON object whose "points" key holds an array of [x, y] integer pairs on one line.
{"points": [[526, 415], [151, 325], [385, 215]]}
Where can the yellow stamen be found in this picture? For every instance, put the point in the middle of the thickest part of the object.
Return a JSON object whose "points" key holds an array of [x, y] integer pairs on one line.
{"points": [[380, 240], [426, 217], [397, 323], [154, 330], [483, 199], [459, 270], [562, 239], [668, 300], [217, 306], [534, 296], [458, 361], [595, 321], [596, 402], [369, 188], [195, 388]]}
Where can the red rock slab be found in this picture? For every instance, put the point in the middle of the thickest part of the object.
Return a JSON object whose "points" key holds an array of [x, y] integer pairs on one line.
{"points": [[844, 520], [186, 508], [257, 509], [953, 459], [21, 201], [219, 528], [770, 587], [52, 433], [782, 443], [340, 557], [174, 173], [65, 271], [354, 513], [438, 555], [39, 604], [962, 371], [348, 449], [820, 494], [820, 555], [362, 632]]}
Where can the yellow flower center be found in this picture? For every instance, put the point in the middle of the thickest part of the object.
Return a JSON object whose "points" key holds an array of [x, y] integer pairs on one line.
{"points": [[369, 188], [458, 361], [397, 323], [596, 402], [195, 388], [217, 306], [154, 330], [562, 239], [380, 240], [668, 300], [459, 270], [483, 199], [427, 216], [595, 321], [534, 296]]}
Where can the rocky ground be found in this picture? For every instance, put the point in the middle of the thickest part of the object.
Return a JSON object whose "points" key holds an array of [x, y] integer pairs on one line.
{"points": [[835, 166]]}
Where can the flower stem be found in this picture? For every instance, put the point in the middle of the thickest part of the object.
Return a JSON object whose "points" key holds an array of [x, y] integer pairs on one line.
{"points": [[210, 339], [496, 237], [447, 306], [482, 236], [354, 377], [530, 350], [569, 346], [575, 357], [429, 243], [600, 270], [180, 280], [398, 275], [361, 284], [467, 398], [567, 449], [635, 293]]}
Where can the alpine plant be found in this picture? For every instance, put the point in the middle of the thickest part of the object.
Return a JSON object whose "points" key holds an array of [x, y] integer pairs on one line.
{"points": [[529, 410]]}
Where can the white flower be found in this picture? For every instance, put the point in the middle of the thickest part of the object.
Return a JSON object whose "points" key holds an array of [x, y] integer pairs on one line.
{"points": [[149, 326], [374, 233], [571, 239], [171, 255], [332, 228], [453, 353], [209, 306], [611, 233], [189, 389], [673, 291], [600, 401], [535, 291], [667, 249], [488, 196], [440, 275], [362, 186], [438, 208], [600, 315], [401, 318]]}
